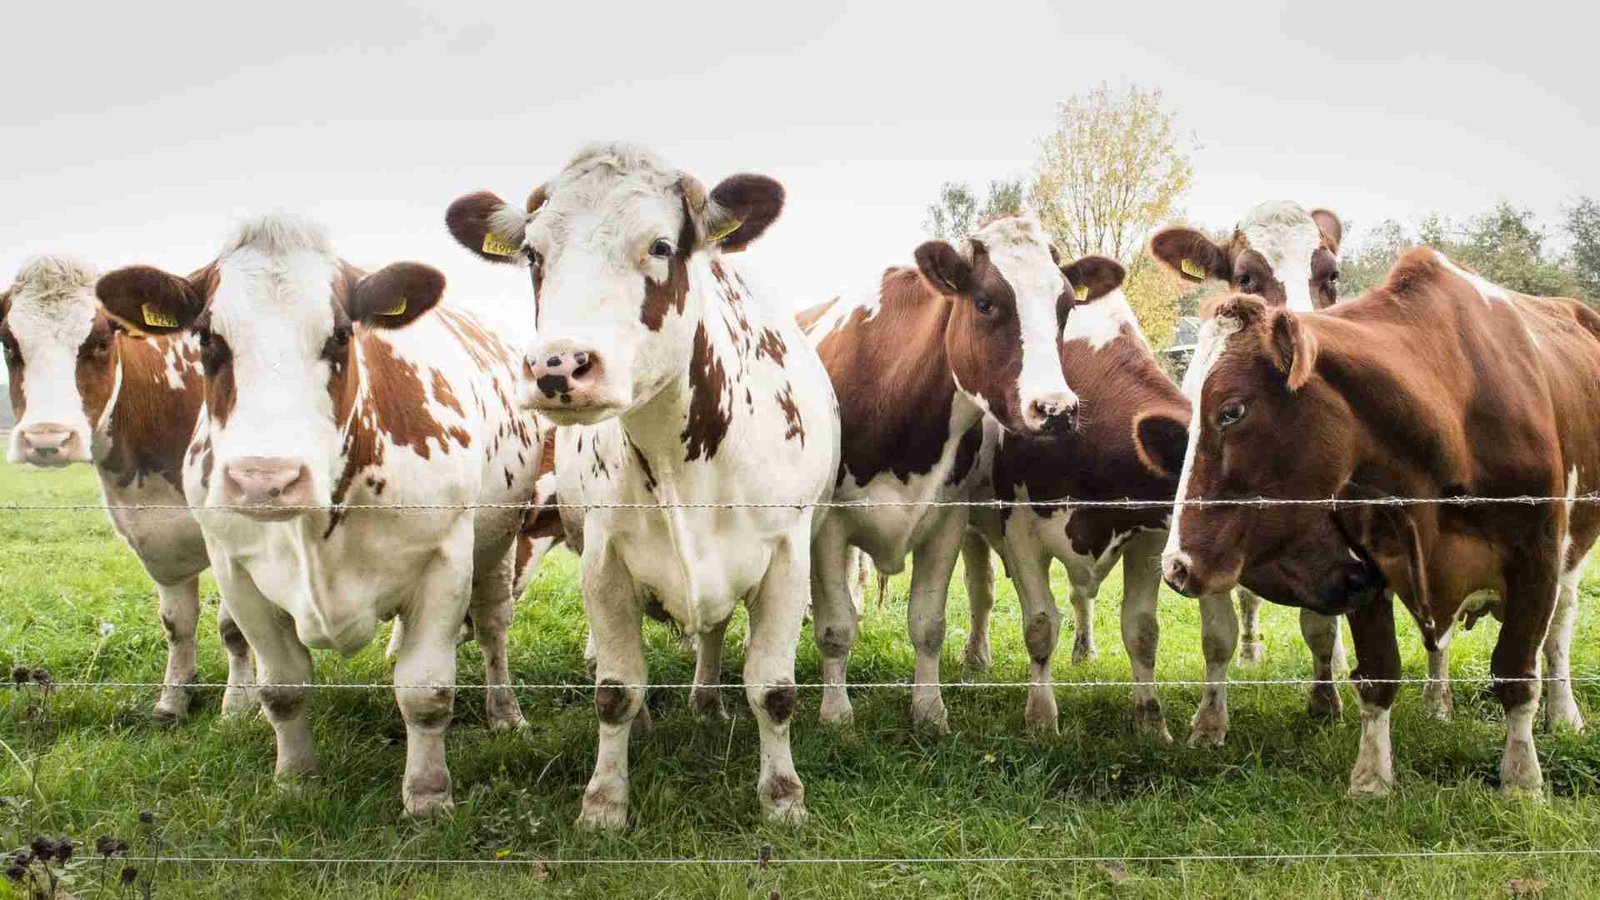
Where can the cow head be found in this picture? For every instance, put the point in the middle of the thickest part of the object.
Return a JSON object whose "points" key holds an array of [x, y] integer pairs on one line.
{"points": [[1009, 300], [1278, 252], [613, 243], [61, 356], [278, 316], [1265, 425]]}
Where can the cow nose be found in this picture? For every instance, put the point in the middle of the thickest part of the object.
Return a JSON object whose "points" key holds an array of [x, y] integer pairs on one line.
{"points": [[48, 444], [564, 375], [1055, 413], [1178, 575], [267, 482]]}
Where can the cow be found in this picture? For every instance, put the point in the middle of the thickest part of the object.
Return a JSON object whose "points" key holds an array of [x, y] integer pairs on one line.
{"points": [[1289, 257], [695, 426], [917, 364], [1435, 385], [1130, 447], [335, 405], [541, 529], [85, 391]]}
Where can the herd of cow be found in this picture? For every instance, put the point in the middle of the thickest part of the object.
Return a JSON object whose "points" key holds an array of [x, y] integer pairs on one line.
{"points": [[349, 454]]}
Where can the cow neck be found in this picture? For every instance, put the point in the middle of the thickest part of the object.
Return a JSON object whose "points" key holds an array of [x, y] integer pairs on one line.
{"points": [[655, 429], [147, 422]]}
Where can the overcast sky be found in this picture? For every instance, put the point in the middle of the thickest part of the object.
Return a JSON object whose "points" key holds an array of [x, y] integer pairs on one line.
{"points": [[129, 136]]}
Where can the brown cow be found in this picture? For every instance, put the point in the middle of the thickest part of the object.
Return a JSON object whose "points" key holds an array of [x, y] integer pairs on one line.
{"points": [[1437, 384]]}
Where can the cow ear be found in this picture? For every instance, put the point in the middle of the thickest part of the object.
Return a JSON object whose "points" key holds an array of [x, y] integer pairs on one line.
{"points": [[150, 301], [945, 268], [1094, 277], [1330, 226], [1246, 309], [1191, 254], [1161, 440], [1294, 348], [395, 295], [489, 226], [740, 209]]}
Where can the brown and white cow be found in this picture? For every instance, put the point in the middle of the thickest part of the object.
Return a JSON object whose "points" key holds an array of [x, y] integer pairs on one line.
{"points": [[1437, 384], [1289, 257], [916, 364], [83, 390], [675, 389], [1130, 447], [334, 402]]}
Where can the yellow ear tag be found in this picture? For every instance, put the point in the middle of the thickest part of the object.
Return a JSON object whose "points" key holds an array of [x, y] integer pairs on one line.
{"points": [[495, 245], [158, 319], [725, 230], [1193, 270], [398, 309], [1082, 291]]}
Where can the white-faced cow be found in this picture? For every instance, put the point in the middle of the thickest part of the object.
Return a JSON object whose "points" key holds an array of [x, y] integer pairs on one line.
{"points": [[674, 387], [1130, 447], [1289, 257], [333, 402], [83, 390], [916, 365], [1435, 385]]}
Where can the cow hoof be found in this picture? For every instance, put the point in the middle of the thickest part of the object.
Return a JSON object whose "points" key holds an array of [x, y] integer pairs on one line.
{"points": [[836, 709], [931, 716], [1439, 701], [979, 657], [1521, 777], [1209, 729], [707, 703], [1323, 703], [421, 806], [503, 724], [166, 716], [602, 815], [1252, 652], [1564, 717], [1040, 713], [238, 701], [1148, 722], [1369, 786], [783, 798], [1083, 649]]}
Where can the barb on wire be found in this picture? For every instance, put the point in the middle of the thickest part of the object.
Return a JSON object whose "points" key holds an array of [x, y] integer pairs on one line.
{"points": [[1059, 503], [589, 861], [817, 685]]}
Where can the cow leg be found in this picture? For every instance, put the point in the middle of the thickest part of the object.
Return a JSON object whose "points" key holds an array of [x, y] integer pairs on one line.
{"points": [[977, 569], [834, 621], [1437, 695], [1321, 634], [240, 696], [706, 696], [180, 610], [776, 615], [932, 564], [427, 657], [492, 600], [1560, 706], [616, 622], [283, 665], [1253, 644], [1141, 629], [1219, 638], [1377, 658], [1029, 564], [1531, 598], [1083, 649]]}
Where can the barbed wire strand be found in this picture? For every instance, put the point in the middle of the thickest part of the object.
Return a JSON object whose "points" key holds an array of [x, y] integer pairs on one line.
{"points": [[764, 860], [1068, 502], [810, 685]]}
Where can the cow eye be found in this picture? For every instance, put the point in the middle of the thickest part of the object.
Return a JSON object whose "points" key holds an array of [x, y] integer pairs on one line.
{"points": [[1246, 281], [984, 305], [1230, 414], [341, 333], [534, 259], [12, 354], [1333, 276], [661, 248]]}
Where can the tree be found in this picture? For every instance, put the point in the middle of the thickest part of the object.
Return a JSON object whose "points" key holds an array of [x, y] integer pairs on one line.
{"points": [[957, 214], [1113, 168], [1366, 262], [1506, 246], [1583, 229]]}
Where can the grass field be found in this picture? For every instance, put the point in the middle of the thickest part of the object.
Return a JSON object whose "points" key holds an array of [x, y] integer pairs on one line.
{"points": [[88, 763]]}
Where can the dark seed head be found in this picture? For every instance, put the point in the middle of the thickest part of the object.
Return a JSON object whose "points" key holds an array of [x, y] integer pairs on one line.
{"points": [[129, 873], [42, 676], [146, 817], [43, 848], [64, 850], [17, 872], [21, 674]]}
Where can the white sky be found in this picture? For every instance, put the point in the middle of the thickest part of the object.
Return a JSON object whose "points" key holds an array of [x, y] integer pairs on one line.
{"points": [[132, 136]]}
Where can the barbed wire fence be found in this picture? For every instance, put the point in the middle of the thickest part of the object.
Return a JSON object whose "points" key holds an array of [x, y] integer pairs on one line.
{"points": [[38, 678]]}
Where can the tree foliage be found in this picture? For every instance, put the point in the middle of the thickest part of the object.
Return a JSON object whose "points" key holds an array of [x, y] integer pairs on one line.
{"points": [[1506, 246], [958, 213], [1583, 229]]}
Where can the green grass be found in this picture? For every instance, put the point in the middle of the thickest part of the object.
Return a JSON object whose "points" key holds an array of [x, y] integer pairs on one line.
{"points": [[88, 762]]}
